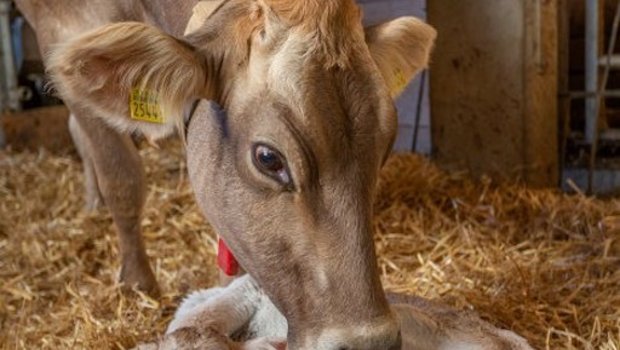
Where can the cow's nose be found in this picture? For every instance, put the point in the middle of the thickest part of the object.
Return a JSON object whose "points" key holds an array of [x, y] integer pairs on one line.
{"points": [[383, 335], [398, 344]]}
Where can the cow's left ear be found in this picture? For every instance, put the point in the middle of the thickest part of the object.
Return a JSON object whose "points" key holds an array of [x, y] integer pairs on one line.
{"points": [[401, 48]]}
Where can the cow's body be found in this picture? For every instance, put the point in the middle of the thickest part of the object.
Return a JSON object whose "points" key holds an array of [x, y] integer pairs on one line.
{"points": [[57, 21], [113, 172], [286, 175]]}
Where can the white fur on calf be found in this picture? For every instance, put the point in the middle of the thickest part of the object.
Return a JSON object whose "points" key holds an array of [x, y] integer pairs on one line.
{"points": [[244, 310], [241, 303], [208, 319]]}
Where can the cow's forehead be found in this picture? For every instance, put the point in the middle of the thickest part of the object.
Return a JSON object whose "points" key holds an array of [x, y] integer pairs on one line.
{"points": [[300, 75], [334, 92], [287, 67], [298, 71], [337, 109]]}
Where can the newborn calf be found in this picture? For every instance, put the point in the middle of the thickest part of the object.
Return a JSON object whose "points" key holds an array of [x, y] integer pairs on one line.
{"points": [[238, 317], [212, 318]]}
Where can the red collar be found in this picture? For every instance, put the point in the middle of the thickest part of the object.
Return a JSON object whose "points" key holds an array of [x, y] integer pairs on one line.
{"points": [[226, 260]]}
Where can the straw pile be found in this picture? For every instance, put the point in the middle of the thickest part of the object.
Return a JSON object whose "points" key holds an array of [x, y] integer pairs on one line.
{"points": [[539, 262]]}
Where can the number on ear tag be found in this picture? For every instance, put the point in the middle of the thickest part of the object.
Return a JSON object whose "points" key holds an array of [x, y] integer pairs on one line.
{"points": [[144, 106]]}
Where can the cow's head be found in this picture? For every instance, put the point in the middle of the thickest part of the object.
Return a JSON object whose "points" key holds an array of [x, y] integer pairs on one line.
{"points": [[286, 175]]}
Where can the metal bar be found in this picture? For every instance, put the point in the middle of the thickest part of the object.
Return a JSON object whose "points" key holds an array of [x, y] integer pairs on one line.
{"points": [[3, 93], [564, 105], [418, 113], [599, 98], [591, 66], [613, 61], [610, 135], [583, 94], [5, 40], [8, 60]]}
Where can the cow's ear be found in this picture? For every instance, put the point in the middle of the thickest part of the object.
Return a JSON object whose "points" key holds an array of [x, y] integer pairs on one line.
{"points": [[400, 48], [132, 75]]}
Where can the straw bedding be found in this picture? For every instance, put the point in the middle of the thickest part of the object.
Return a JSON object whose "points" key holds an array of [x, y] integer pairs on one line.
{"points": [[544, 264]]}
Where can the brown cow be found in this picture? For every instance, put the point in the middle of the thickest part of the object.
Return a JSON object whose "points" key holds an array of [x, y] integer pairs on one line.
{"points": [[287, 174]]}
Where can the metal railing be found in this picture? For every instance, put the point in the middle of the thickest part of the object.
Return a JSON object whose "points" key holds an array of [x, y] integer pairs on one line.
{"points": [[11, 98], [596, 89], [10, 93]]}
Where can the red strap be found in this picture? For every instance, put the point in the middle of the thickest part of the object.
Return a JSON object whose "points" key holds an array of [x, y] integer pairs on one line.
{"points": [[226, 260]]}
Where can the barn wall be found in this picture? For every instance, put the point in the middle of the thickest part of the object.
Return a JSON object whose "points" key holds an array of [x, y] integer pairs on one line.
{"points": [[415, 98], [494, 88]]}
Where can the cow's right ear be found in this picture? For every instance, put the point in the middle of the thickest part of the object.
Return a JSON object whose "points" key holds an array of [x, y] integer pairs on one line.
{"points": [[132, 75]]}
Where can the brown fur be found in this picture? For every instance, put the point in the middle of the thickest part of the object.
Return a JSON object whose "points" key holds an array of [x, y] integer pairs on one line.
{"points": [[243, 310], [112, 167], [333, 25], [129, 55], [299, 76]]}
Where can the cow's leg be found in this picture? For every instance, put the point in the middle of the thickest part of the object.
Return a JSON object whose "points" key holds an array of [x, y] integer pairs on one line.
{"points": [[92, 196], [120, 179]]}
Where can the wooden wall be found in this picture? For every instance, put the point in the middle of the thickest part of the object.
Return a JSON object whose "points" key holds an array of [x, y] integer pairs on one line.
{"points": [[415, 98], [494, 88]]}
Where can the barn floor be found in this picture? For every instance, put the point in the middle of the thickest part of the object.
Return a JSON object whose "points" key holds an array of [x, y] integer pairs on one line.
{"points": [[544, 264]]}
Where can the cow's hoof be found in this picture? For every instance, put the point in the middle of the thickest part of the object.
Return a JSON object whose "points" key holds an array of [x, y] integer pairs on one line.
{"points": [[141, 279], [93, 205]]}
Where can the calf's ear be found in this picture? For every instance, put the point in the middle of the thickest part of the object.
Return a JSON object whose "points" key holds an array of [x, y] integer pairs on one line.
{"points": [[401, 48], [131, 75]]}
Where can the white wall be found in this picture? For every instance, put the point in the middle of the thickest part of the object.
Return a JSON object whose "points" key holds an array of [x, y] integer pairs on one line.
{"points": [[376, 11]]}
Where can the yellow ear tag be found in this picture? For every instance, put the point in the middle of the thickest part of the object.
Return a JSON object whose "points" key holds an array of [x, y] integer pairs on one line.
{"points": [[400, 83], [144, 106]]}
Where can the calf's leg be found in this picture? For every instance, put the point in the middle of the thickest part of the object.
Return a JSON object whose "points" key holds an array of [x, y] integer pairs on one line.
{"points": [[119, 176]]}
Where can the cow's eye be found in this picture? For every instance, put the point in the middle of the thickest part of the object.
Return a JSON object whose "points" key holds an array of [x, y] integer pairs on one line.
{"points": [[271, 163]]}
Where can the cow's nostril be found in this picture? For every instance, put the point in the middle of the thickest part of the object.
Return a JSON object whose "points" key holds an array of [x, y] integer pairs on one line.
{"points": [[398, 344]]}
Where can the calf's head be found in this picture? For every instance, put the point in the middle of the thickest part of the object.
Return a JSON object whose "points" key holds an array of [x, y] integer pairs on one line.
{"points": [[286, 174]]}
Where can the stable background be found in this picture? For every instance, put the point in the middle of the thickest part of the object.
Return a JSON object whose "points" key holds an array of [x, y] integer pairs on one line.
{"points": [[495, 217], [513, 90]]}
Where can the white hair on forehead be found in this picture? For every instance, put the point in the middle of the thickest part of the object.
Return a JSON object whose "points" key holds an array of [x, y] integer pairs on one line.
{"points": [[286, 70]]}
